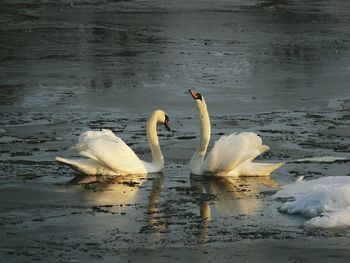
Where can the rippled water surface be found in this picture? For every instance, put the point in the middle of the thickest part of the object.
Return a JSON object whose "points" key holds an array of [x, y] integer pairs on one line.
{"points": [[277, 68]]}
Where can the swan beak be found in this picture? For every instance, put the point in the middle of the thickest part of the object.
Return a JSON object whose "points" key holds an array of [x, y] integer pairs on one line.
{"points": [[166, 123], [195, 95]]}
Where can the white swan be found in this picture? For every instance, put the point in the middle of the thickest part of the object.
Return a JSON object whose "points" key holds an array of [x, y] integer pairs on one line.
{"points": [[231, 155], [110, 155]]}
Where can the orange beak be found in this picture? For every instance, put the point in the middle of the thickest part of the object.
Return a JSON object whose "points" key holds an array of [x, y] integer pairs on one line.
{"points": [[195, 95]]}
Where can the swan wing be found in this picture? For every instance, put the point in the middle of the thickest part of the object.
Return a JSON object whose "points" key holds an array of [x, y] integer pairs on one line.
{"points": [[111, 151], [87, 166], [232, 150]]}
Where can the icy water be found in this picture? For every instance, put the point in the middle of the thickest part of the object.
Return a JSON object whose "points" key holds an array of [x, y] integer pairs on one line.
{"points": [[277, 68]]}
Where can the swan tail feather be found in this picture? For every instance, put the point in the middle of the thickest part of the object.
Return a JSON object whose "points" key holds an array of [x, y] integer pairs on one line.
{"points": [[76, 165], [258, 169], [86, 166], [66, 161]]}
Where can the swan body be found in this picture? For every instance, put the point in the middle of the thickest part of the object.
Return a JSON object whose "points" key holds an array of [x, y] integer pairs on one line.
{"points": [[108, 154], [231, 155]]}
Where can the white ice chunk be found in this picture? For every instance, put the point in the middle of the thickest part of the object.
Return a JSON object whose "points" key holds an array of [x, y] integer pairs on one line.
{"points": [[331, 220], [325, 200]]}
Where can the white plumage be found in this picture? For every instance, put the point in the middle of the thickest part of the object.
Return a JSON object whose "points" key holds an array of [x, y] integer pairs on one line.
{"points": [[108, 149], [109, 155], [231, 155]]}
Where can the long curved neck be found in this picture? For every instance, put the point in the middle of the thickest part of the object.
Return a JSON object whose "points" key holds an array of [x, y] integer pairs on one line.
{"points": [[157, 156], [205, 129], [197, 160]]}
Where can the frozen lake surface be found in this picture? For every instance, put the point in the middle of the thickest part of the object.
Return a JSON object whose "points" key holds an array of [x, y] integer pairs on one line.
{"points": [[277, 68]]}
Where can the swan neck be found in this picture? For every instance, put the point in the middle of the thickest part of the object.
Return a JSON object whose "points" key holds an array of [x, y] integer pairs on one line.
{"points": [[205, 129], [197, 160], [157, 156]]}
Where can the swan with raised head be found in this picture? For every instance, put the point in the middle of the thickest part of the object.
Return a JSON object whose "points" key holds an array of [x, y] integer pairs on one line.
{"points": [[108, 154], [231, 155]]}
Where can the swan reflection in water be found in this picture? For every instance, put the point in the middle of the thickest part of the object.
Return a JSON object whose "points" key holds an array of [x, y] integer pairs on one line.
{"points": [[228, 197], [139, 198], [118, 194], [108, 190]]}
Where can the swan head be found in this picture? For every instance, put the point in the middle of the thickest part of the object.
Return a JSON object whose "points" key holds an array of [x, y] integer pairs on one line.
{"points": [[166, 122], [163, 118], [198, 98], [195, 95]]}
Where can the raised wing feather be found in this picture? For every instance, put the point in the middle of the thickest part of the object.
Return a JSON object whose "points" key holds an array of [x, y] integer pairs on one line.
{"points": [[232, 150], [108, 149]]}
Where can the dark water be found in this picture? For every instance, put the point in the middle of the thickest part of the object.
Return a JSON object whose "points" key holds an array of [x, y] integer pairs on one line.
{"points": [[278, 68], [246, 56]]}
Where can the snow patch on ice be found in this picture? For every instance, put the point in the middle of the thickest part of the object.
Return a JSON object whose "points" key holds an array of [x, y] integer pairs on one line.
{"points": [[326, 201], [324, 159]]}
